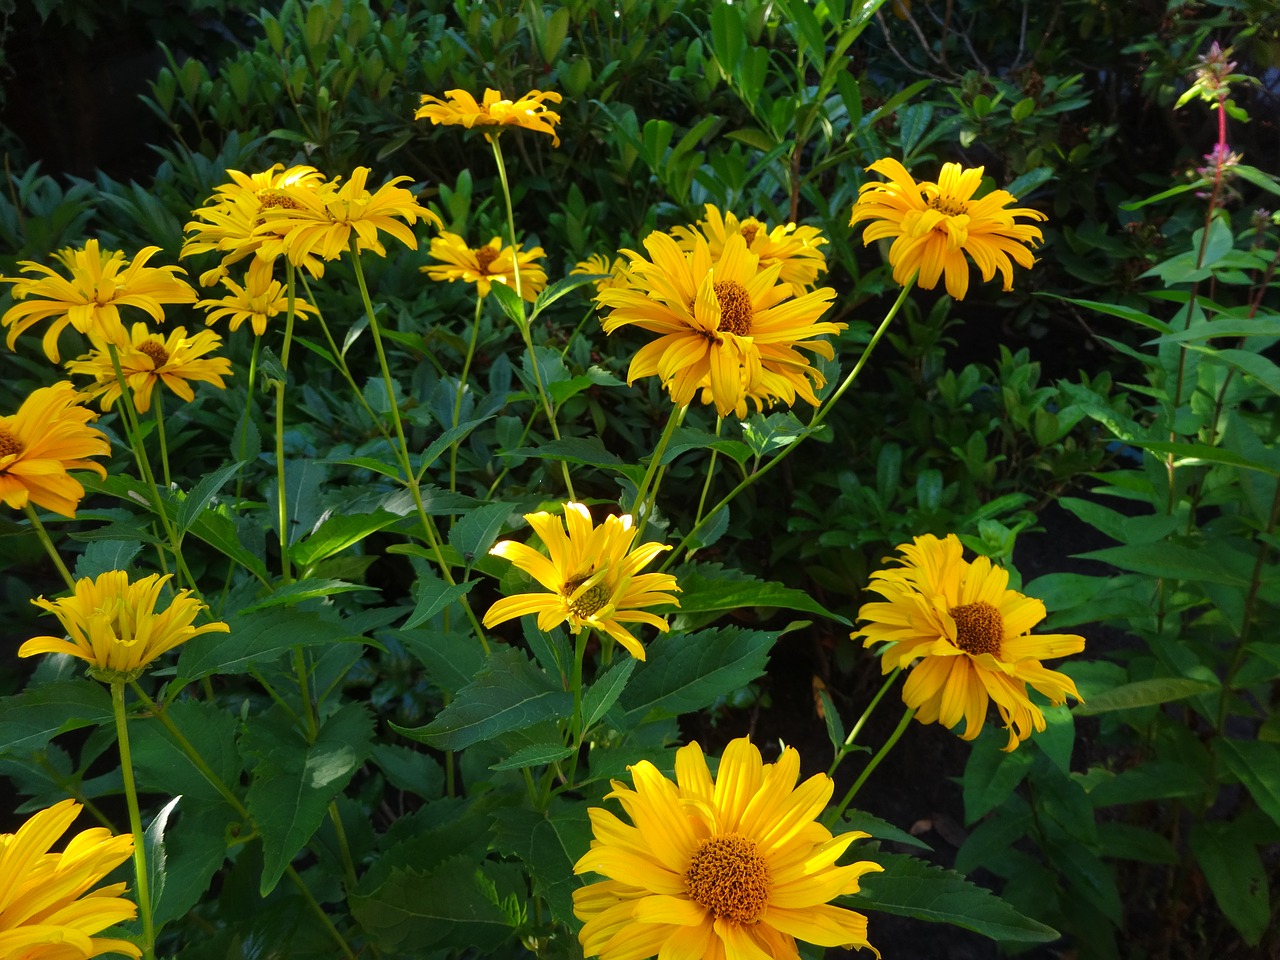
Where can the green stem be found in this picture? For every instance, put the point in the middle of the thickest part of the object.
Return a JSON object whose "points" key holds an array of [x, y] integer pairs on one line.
{"points": [[641, 516], [862, 720], [576, 732], [833, 817], [462, 389], [706, 482], [48, 545], [135, 821], [344, 848], [282, 498], [158, 397], [244, 419]]}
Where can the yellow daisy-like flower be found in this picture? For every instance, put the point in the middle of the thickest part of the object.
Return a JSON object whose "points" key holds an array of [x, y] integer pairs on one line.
{"points": [[100, 283], [724, 321], [460, 107], [795, 248], [114, 625], [152, 358], [933, 226], [615, 268], [970, 635], [232, 216], [48, 909], [48, 436], [593, 575], [260, 299], [325, 220], [487, 265], [731, 868]]}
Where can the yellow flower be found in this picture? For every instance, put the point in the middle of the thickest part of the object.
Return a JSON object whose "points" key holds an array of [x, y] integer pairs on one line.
{"points": [[48, 436], [260, 299], [114, 625], [460, 107], [971, 636], [796, 248], [323, 222], [486, 265], [933, 226], [592, 573], [100, 283], [599, 263], [734, 867], [152, 358], [48, 910], [233, 214], [724, 322]]}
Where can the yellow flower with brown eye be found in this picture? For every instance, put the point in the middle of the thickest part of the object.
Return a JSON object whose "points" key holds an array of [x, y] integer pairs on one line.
{"points": [[152, 358], [89, 298], [796, 248], [258, 301], [933, 226], [49, 909], [593, 576], [730, 867], [968, 637], [614, 271], [722, 322], [487, 265], [232, 216], [461, 108], [48, 436], [324, 221], [115, 626]]}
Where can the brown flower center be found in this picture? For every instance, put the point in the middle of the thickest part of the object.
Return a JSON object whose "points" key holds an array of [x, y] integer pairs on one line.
{"points": [[949, 207], [274, 199], [979, 628], [9, 444], [749, 232], [484, 257], [592, 599], [735, 307], [729, 877], [156, 351]]}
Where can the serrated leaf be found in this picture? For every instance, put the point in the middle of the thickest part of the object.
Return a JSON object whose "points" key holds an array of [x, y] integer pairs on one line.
{"points": [[510, 693], [195, 849], [431, 595], [294, 781], [910, 887], [991, 775], [549, 844], [584, 450], [709, 587], [475, 532], [1153, 780], [291, 594], [452, 659], [604, 693], [162, 765], [686, 673], [100, 556], [879, 829], [30, 719], [204, 491], [1143, 693], [336, 534], [534, 755], [257, 637]]}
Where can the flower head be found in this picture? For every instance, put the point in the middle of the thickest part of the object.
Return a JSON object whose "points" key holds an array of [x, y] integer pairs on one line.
{"points": [[727, 326], [593, 575], [933, 226], [614, 271], [100, 282], [49, 435], [229, 221], [971, 637], [731, 867], [795, 248], [152, 358], [260, 299], [487, 265], [114, 624], [460, 107], [322, 223], [48, 910]]}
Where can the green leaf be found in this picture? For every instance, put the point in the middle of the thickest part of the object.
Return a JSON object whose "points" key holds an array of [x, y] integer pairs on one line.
{"points": [[1124, 841], [688, 672], [1254, 365], [1265, 326], [194, 503], [157, 860], [219, 532], [1257, 766], [684, 438], [293, 781], [431, 595], [1195, 454], [475, 531], [101, 556], [195, 849], [549, 844], [909, 887], [30, 719], [291, 594], [452, 659], [1143, 693], [589, 451], [1116, 310], [336, 534], [160, 763], [1153, 780], [510, 693], [604, 693], [1236, 875], [879, 829], [534, 755], [710, 587], [991, 775], [257, 637], [766, 434]]}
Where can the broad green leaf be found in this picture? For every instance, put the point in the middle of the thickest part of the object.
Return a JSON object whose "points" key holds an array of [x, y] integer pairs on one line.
{"points": [[1196, 454], [879, 829], [1143, 693], [160, 763], [408, 769], [548, 844], [765, 434], [452, 659], [157, 860], [101, 556], [1257, 766], [220, 533], [1124, 841], [257, 637], [291, 594], [293, 781], [555, 291], [1254, 365], [605, 691], [909, 887], [992, 837], [1266, 326], [991, 775], [684, 673], [195, 849], [585, 450], [1171, 561], [336, 534], [710, 587], [684, 438], [30, 719], [1116, 310], [510, 693], [534, 755], [1153, 780], [431, 595], [1236, 875], [194, 502], [476, 531]]}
